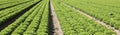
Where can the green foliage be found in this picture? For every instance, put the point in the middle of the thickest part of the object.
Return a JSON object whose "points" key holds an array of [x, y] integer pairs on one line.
{"points": [[74, 23], [104, 10]]}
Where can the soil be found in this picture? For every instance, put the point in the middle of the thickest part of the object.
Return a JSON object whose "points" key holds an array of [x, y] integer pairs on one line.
{"points": [[57, 27]]}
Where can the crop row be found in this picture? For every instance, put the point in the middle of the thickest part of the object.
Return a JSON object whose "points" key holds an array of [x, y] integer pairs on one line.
{"points": [[33, 22], [30, 21], [110, 3], [10, 12], [11, 4], [74, 23], [108, 14], [6, 1]]}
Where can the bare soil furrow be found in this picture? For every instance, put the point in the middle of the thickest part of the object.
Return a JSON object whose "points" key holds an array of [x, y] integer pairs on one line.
{"points": [[57, 27]]}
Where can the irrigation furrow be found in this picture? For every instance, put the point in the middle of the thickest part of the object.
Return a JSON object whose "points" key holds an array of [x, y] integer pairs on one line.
{"points": [[57, 27]]}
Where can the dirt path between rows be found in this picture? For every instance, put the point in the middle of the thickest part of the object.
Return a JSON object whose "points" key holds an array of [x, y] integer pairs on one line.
{"points": [[57, 27], [96, 20]]}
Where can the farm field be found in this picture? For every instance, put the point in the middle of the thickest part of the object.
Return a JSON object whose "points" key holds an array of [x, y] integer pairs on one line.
{"points": [[59, 17]]}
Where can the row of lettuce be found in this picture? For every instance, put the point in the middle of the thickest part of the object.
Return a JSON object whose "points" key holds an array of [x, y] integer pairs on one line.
{"points": [[74, 23], [33, 22], [11, 3], [104, 10], [10, 12]]}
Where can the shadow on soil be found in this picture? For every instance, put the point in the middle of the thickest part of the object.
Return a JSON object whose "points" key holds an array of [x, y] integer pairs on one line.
{"points": [[50, 23]]}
